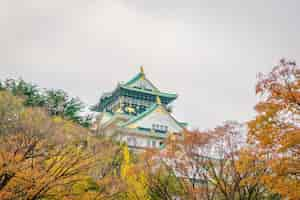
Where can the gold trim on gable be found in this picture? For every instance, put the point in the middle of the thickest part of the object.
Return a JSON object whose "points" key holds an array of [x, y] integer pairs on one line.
{"points": [[132, 126]]}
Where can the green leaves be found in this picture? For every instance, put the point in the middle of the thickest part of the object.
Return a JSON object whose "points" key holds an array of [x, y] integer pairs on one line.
{"points": [[56, 102]]}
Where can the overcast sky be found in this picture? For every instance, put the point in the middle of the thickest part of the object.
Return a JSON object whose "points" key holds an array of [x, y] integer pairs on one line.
{"points": [[207, 51]]}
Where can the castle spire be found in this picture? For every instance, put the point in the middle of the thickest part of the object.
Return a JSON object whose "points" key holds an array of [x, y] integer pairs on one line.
{"points": [[142, 72], [142, 69]]}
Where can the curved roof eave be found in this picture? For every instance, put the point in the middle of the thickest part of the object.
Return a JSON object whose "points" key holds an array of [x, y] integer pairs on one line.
{"points": [[164, 94]]}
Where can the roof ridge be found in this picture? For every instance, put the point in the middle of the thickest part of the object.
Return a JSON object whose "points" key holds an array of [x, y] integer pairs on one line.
{"points": [[132, 80], [141, 75], [156, 93]]}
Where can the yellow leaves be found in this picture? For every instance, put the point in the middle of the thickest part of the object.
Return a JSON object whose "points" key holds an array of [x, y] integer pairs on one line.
{"points": [[265, 139], [288, 188], [246, 159], [38, 163], [57, 119], [84, 185], [134, 178], [268, 107], [137, 188], [41, 176], [291, 139], [126, 162], [52, 158]]}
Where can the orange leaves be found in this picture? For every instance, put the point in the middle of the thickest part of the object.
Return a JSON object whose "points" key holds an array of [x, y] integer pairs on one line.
{"points": [[33, 164], [51, 158], [268, 108], [288, 188], [290, 140], [38, 175], [213, 165], [275, 131]]}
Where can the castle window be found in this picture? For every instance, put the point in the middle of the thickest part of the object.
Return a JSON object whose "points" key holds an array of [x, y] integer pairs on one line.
{"points": [[131, 141], [160, 128], [153, 126]]}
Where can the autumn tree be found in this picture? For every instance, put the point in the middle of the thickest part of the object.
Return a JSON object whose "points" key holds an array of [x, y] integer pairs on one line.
{"points": [[107, 169], [275, 130], [32, 162], [210, 164], [162, 182], [133, 177], [10, 109], [50, 157]]}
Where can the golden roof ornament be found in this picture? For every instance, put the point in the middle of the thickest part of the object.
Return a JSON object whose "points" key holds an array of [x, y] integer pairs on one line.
{"points": [[158, 101], [130, 109], [142, 72], [119, 110], [142, 69]]}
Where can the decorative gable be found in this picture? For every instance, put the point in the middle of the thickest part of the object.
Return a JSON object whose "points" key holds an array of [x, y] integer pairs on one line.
{"points": [[141, 82], [157, 118], [160, 120], [144, 84]]}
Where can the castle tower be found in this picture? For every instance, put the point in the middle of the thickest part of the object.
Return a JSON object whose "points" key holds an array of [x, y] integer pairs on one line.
{"points": [[136, 112]]}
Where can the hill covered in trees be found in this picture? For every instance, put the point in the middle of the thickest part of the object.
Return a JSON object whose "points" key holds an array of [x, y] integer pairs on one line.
{"points": [[47, 150]]}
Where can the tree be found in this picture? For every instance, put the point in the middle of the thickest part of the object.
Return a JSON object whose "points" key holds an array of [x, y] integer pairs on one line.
{"points": [[10, 109], [41, 156], [30, 92], [32, 161], [134, 178], [106, 171], [275, 130], [211, 164], [60, 104], [44, 156], [41, 176], [57, 102], [162, 182]]}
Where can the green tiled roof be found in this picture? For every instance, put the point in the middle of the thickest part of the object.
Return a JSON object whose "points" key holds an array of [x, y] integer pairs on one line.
{"points": [[155, 93], [134, 79], [184, 124], [132, 88]]}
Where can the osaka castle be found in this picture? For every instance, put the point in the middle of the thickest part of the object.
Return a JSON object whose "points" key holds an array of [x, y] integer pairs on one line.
{"points": [[137, 112]]}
